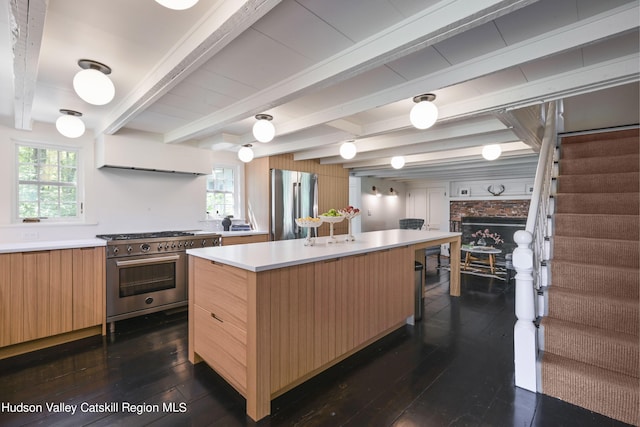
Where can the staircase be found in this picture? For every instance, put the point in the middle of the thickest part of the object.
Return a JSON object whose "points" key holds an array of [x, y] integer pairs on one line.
{"points": [[590, 333]]}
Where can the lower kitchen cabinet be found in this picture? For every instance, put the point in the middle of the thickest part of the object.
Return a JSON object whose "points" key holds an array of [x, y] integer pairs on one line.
{"points": [[46, 294]]}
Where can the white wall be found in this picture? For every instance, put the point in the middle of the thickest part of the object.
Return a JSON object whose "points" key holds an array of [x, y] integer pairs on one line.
{"points": [[115, 200], [381, 213]]}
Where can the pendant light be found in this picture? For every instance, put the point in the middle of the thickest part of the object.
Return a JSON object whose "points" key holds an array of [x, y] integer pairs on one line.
{"points": [[348, 150], [92, 83], [425, 113], [245, 153], [397, 162], [70, 124], [491, 152], [263, 129], [177, 4]]}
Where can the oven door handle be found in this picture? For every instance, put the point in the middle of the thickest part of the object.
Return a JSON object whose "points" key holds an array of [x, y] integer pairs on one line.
{"points": [[144, 261]]}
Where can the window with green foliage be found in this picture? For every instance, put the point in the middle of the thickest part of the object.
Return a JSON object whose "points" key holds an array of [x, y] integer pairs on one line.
{"points": [[47, 182], [221, 197]]}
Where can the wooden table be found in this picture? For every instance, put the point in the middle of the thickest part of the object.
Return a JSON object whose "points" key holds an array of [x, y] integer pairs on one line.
{"points": [[269, 316], [491, 252]]}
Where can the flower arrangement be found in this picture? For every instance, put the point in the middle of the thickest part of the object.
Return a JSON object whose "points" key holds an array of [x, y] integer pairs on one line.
{"points": [[482, 235]]}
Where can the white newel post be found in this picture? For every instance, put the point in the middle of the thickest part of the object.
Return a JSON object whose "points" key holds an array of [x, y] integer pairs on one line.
{"points": [[524, 332]]}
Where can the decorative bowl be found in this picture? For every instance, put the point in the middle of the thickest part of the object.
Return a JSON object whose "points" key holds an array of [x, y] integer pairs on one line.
{"points": [[349, 215], [331, 219], [309, 223]]}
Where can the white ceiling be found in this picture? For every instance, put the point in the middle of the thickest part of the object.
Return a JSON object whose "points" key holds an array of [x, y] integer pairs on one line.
{"points": [[332, 70]]}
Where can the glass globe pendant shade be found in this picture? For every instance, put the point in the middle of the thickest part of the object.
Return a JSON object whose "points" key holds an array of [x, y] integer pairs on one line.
{"points": [[70, 124], [245, 153], [263, 129], [348, 150], [491, 152], [94, 87], [177, 4], [397, 162], [423, 115]]}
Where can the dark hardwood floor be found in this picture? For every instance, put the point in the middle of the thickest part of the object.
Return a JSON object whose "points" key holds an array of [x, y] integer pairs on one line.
{"points": [[455, 368]]}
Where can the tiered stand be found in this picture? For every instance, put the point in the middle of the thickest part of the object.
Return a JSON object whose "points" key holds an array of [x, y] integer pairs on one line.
{"points": [[349, 216], [309, 241], [331, 220]]}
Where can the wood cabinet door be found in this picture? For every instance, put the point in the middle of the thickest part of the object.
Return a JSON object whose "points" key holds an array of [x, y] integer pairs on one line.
{"points": [[60, 291], [88, 287], [35, 282], [11, 299], [46, 293]]}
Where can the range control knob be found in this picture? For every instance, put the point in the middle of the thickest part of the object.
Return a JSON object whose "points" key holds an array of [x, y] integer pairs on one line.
{"points": [[116, 250], [129, 248], [159, 246], [145, 247]]}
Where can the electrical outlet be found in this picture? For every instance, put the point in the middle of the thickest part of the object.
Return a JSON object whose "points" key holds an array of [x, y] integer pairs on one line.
{"points": [[30, 235], [368, 212]]}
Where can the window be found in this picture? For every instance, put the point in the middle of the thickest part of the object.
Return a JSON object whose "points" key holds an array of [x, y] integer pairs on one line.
{"points": [[47, 182], [221, 192]]}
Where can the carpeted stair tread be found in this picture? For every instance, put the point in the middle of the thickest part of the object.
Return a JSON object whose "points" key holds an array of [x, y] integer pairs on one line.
{"points": [[625, 182], [608, 252], [604, 312], [604, 136], [591, 329], [596, 279], [600, 390], [599, 165], [598, 226], [604, 348], [599, 148], [597, 203]]}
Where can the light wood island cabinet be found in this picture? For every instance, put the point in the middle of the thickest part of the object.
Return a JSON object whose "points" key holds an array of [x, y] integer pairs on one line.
{"points": [[241, 240], [50, 297], [271, 324]]}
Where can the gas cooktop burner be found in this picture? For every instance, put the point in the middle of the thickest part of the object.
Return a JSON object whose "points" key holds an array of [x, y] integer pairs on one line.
{"points": [[151, 235]]}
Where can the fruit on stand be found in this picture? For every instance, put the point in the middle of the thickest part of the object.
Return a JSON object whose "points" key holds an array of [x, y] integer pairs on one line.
{"points": [[350, 211], [309, 219], [331, 212]]}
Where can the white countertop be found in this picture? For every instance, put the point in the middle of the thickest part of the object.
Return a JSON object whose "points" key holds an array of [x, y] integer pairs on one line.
{"points": [[50, 245], [285, 253]]}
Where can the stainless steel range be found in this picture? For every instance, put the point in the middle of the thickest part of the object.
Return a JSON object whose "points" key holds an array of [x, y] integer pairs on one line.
{"points": [[147, 272]]}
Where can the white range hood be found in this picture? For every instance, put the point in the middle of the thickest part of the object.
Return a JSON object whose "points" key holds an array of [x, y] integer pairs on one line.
{"points": [[133, 152]]}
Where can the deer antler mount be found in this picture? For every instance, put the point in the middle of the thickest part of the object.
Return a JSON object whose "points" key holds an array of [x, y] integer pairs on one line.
{"points": [[498, 192]]}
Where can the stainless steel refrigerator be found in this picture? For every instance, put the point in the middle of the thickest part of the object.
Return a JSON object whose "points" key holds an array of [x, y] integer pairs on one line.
{"points": [[293, 195]]}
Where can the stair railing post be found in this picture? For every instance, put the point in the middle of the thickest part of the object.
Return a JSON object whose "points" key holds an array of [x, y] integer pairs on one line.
{"points": [[525, 337]]}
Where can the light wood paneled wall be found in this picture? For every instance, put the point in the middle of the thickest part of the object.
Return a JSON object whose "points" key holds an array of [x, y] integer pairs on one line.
{"points": [[333, 188]]}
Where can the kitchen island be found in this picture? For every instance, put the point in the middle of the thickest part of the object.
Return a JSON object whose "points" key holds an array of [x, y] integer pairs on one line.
{"points": [[268, 316]]}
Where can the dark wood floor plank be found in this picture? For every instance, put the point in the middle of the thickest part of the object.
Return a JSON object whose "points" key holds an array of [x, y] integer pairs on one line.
{"points": [[453, 368]]}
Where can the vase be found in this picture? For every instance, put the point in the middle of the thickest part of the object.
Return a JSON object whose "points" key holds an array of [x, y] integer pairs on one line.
{"points": [[481, 242]]}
